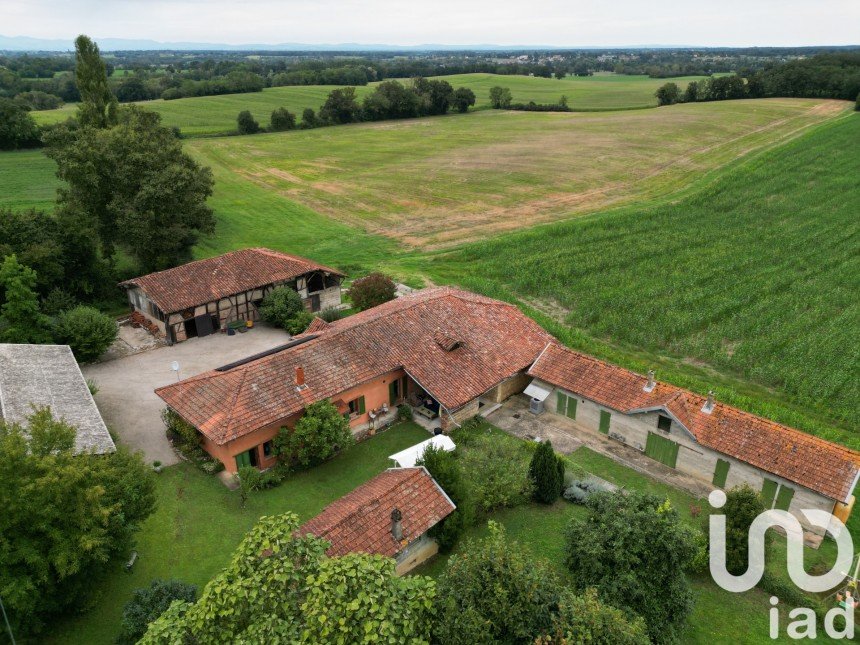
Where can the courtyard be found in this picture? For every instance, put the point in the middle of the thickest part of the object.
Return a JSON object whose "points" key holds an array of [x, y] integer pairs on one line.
{"points": [[126, 396]]}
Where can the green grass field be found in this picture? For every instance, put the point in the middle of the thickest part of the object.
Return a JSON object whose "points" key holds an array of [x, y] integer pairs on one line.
{"points": [[441, 181], [27, 180], [756, 274], [208, 115]]}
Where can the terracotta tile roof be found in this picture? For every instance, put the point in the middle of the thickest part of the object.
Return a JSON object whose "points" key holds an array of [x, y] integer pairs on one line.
{"points": [[360, 521], [819, 465], [497, 342], [317, 324], [203, 281]]}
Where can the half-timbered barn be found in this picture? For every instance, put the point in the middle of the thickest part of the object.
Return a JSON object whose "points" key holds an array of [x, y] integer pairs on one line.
{"points": [[202, 297]]}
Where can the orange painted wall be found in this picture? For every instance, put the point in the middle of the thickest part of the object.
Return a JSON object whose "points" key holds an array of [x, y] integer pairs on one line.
{"points": [[375, 394]]}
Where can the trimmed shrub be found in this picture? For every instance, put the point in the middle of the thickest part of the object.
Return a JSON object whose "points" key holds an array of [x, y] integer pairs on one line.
{"points": [[87, 331], [179, 430], [149, 603], [317, 436], [299, 323], [371, 291], [330, 314], [280, 306], [546, 472]]}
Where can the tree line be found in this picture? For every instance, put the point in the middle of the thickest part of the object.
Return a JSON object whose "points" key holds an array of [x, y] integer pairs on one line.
{"points": [[834, 76], [389, 100]]}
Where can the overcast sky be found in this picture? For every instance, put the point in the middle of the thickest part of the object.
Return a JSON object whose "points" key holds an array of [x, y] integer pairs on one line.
{"points": [[506, 22]]}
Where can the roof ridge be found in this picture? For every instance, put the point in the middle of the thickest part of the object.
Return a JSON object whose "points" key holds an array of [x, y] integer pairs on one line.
{"points": [[354, 491]]}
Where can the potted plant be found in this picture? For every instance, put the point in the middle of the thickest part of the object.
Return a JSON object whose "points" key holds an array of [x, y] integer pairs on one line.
{"points": [[156, 466]]}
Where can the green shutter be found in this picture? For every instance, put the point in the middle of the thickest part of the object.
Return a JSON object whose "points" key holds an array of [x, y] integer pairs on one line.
{"points": [[721, 472], [604, 421], [361, 405], [571, 407], [560, 403], [768, 491], [661, 449], [392, 393], [243, 459], [783, 498]]}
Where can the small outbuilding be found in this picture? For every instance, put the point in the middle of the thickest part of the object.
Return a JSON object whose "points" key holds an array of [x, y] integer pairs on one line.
{"points": [[389, 515], [39, 376], [202, 297]]}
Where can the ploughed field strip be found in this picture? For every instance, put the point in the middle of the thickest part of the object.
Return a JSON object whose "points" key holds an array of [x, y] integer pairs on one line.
{"points": [[436, 182]]}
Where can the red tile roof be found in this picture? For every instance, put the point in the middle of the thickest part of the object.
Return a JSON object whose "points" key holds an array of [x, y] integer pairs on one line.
{"points": [[496, 342], [819, 465], [203, 281], [360, 522]]}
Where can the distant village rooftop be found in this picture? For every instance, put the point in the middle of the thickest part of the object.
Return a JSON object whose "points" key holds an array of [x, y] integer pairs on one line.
{"points": [[36, 376]]}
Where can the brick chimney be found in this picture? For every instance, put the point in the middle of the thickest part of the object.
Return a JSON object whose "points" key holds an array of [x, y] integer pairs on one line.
{"points": [[651, 384], [709, 404], [396, 526], [300, 378]]}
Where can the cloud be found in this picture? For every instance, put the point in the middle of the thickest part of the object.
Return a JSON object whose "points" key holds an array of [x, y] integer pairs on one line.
{"points": [[506, 22]]}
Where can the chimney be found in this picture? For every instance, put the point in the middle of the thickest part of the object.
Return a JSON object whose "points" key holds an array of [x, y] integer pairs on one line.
{"points": [[396, 527], [300, 378], [651, 384], [709, 404]]}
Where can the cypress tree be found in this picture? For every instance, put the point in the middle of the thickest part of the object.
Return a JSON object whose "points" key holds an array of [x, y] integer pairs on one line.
{"points": [[546, 473]]}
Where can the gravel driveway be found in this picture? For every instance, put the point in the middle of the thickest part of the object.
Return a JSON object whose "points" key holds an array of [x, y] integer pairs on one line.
{"points": [[126, 396]]}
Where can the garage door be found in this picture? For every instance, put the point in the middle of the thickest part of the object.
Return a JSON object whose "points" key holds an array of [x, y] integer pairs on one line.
{"points": [[661, 449]]}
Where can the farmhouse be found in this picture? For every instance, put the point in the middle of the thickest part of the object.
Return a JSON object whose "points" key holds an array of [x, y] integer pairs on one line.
{"points": [[199, 298], [389, 515], [448, 351], [697, 435], [37, 376]]}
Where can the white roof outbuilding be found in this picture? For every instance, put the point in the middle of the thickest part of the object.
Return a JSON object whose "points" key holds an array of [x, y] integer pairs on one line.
{"points": [[407, 458]]}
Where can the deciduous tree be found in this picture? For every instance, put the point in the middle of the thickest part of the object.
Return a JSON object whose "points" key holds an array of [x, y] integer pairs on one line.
{"points": [[584, 619], [21, 321], [633, 546], [281, 588], [445, 468], [87, 331], [148, 603], [340, 106], [668, 94], [500, 98], [463, 99], [136, 187], [17, 128], [246, 124], [282, 119], [372, 290], [64, 517]]}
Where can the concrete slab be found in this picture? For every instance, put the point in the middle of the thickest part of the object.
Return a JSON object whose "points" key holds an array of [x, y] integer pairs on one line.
{"points": [[567, 435], [126, 397]]}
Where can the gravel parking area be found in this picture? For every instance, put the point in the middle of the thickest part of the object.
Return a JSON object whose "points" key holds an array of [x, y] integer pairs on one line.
{"points": [[126, 396]]}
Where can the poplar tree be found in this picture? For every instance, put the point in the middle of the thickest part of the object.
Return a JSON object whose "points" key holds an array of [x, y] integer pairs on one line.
{"points": [[98, 107]]}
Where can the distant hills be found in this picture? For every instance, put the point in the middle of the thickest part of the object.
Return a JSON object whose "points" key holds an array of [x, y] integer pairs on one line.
{"points": [[26, 43]]}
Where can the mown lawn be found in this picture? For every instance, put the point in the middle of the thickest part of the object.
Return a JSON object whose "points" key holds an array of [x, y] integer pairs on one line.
{"points": [[756, 275], [199, 522], [719, 616], [212, 115]]}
